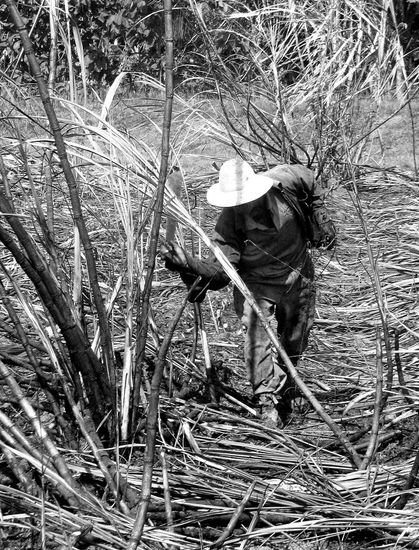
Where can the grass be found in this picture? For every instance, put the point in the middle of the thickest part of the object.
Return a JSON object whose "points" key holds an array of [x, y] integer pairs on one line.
{"points": [[393, 144], [390, 145]]}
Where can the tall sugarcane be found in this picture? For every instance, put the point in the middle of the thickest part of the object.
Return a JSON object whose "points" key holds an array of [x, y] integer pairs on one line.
{"points": [[158, 207], [61, 150], [174, 182], [158, 372]]}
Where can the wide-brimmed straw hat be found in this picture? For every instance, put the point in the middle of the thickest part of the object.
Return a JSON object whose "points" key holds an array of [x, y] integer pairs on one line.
{"points": [[237, 184]]}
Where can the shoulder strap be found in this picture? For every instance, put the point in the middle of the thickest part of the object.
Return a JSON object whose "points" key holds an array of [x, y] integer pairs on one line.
{"points": [[296, 206]]}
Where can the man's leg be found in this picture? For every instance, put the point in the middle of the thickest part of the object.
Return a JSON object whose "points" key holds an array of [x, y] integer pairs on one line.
{"points": [[264, 372], [295, 317]]}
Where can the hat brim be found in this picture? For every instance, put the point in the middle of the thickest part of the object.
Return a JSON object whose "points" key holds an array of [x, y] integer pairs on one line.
{"points": [[256, 187]]}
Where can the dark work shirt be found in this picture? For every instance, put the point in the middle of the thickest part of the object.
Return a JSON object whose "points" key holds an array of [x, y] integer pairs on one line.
{"points": [[264, 241]]}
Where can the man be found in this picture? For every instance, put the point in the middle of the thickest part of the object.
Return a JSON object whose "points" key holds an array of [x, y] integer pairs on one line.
{"points": [[265, 228]]}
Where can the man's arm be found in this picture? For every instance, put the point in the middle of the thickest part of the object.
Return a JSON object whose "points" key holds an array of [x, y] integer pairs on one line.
{"points": [[209, 270]]}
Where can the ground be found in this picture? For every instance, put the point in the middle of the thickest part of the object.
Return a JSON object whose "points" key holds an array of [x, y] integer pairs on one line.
{"points": [[340, 365], [226, 476]]}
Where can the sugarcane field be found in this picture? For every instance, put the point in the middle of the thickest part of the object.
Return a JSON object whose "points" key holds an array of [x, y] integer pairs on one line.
{"points": [[209, 275]]}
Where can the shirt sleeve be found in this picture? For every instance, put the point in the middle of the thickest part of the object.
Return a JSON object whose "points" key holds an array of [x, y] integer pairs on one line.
{"points": [[227, 237]]}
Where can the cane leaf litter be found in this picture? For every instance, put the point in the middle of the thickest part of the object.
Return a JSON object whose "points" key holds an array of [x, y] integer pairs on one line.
{"points": [[231, 481]]}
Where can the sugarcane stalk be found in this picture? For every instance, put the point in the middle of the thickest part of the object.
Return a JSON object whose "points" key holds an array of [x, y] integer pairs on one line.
{"points": [[154, 398], [14, 444], [24, 478], [51, 396], [5, 180], [53, 48], [39, 211], [167, 499], [15, 439], [102, 459], [205, 348], [83, 358], [116, 484], [72, 186], [18, 443], [151, 426], [158, 207], [375, 426], [47, 442], [235, 517], [399, 369], [410, 482], [174, 182]]}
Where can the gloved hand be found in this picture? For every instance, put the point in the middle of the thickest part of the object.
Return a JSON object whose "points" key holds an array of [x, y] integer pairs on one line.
{"points": [[324, 228], [176, 260], [328, 235], [174, 256], [199, 291]]}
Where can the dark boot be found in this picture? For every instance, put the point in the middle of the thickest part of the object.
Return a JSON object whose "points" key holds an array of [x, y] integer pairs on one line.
{"points": [[268, 410], [284, 409], [285, 400]]}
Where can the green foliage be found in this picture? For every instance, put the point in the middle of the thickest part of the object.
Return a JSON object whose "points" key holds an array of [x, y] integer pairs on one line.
{"points": [[11, 60], [126, 35], [110, 34], [115, 36]]}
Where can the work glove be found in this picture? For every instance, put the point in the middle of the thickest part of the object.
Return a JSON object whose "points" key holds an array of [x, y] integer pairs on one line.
{"points": [[328, 237], [174, 257], [176, 260], [325, 231]]}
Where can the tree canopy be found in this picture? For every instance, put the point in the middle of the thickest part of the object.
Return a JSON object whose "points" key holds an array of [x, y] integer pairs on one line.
{"points": [[103, 38]]}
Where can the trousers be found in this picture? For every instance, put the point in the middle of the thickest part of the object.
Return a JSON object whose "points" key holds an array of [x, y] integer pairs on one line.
{"points": [[292, 311]]}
